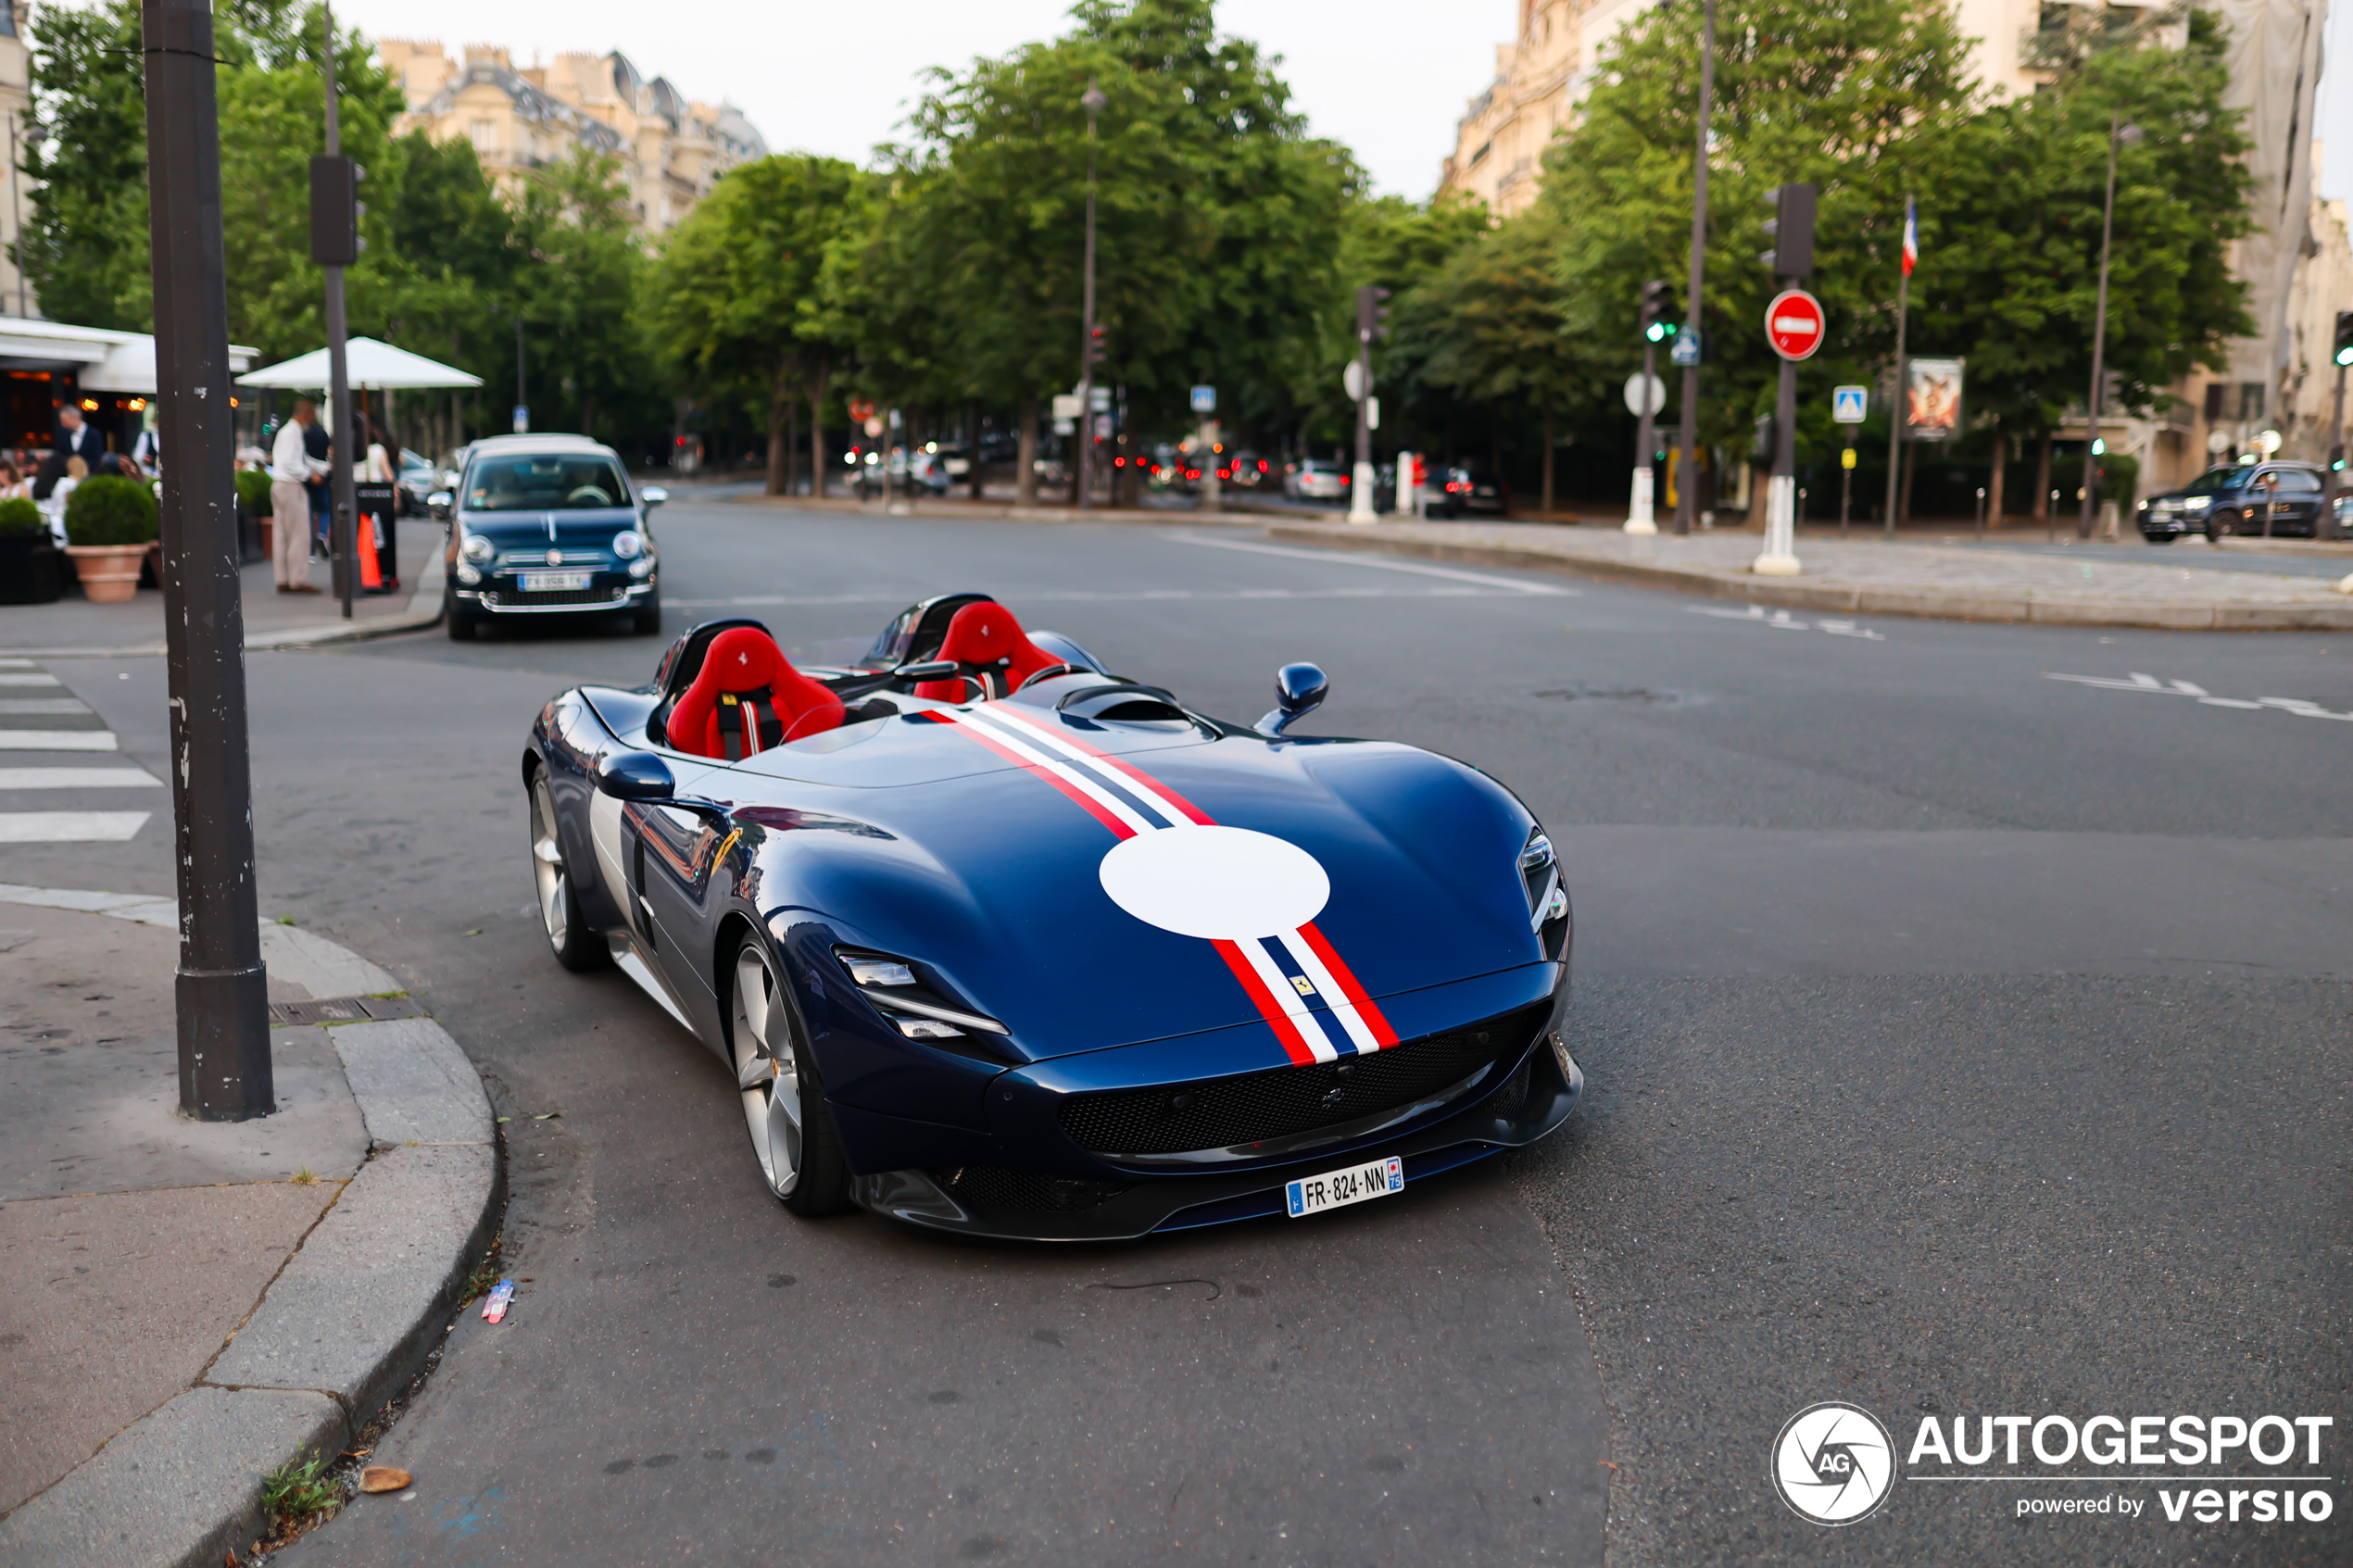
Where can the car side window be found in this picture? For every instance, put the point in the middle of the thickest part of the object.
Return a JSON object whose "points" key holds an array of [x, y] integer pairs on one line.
{"points": [[2298, 481]]}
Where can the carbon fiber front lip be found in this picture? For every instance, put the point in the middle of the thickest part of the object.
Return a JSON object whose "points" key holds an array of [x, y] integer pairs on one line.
{"points": [[1162, 1204]]}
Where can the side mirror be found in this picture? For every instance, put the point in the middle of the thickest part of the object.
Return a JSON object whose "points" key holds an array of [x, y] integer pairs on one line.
{"points": [[1300, 690], [930, 670], [439, 505], [653, 496], [636, 775]]}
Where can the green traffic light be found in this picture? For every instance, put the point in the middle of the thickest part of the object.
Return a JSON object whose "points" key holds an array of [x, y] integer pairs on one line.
{"points": [[2099, 448], [1659, 331], [2345, 355]]}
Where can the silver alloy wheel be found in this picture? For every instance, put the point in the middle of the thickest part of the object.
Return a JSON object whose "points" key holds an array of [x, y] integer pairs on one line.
{"points": [[767, 1070], [547, 868]]}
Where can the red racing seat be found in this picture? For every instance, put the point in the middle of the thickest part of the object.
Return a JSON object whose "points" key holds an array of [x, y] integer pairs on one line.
{"points": [[748, 697], [994, 650]]}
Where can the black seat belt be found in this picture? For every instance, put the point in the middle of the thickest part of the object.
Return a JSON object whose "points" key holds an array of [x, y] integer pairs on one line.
{"points": [[735, 711]]}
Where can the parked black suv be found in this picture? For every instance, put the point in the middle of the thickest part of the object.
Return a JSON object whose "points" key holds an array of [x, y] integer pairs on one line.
{"points": [[2254, 498]]}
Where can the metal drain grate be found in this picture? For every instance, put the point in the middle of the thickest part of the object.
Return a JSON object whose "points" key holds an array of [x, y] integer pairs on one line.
{"points": [[343, 1010]]}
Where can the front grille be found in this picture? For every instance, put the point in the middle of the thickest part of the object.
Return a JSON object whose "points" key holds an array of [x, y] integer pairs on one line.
{"points": [[1254, 1107], [557, 597], [993, 1186]]}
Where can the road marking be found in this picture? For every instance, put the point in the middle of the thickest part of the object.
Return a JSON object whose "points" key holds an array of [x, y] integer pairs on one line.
{"points": [[1545, 590], [70, 827], [43, 705], [30, 680], [58, 740], [79, 778], [2302, 707], [1782, 620]]}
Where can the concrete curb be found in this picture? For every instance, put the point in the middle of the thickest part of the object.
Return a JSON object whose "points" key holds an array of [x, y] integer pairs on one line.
{"points": [[941, 510], [347, 1320], [425, 607], [1925, 602]]}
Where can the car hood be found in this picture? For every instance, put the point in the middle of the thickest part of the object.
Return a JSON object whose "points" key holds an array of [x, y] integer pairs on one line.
{"points": [[995, 877], [567, 530]]}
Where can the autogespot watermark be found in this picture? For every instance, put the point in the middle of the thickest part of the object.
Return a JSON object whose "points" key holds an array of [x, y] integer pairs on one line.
{"points": [[1834, 1464]]}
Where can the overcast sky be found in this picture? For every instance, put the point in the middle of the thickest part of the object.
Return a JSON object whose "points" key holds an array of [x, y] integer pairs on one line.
{"points": [[1387, 77]]}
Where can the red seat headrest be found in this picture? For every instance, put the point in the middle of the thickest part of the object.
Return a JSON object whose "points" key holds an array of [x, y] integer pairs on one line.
{"points": [[773, 702], [986, 637]]}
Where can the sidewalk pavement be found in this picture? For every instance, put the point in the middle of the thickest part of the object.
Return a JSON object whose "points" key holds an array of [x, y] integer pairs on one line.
{"points": [[1875, 577], [191, 1305], [73, 626]]}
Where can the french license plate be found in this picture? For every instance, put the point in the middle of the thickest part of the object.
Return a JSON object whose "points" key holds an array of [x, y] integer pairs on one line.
{"points": [[555, 582], [1337, 1189]]}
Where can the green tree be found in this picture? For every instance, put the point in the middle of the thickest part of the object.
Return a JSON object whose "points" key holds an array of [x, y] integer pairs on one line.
{"points": [[1850, 97], [578, 276], [737, 297], [2010, 236]]}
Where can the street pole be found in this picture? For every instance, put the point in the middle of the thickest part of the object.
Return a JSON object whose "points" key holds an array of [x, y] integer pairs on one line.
{"points": [[2327, 529], [522, 404], [222, 1000], [1093, 102], [344, 537], [2090, 490], [1638, 519], [1900, 404], [1687, 437], [1845, 489]]}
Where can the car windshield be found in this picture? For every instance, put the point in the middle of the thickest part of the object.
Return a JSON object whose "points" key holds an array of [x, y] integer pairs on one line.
{"points": [[2214, 481], [549, 482]]}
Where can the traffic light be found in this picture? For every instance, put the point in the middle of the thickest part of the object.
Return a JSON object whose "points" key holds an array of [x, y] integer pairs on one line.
{"points": [[1658, 303], [2345, 337], [1372, 316], [1792, 231], [1095, 346], [334, 211]]}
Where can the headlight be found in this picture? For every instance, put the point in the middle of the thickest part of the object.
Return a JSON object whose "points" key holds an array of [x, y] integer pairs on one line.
{"points": [[1539, 876], [468, 574], [479, 549], [2197, 503], [918, 1012], [643, 567], [628, 544]]}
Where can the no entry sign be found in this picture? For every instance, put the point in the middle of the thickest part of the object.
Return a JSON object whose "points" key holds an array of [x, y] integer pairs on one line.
{"points": [[1794, 324]]}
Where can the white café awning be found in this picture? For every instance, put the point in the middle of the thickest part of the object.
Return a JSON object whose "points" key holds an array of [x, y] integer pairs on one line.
{"points": [[367, 363]]}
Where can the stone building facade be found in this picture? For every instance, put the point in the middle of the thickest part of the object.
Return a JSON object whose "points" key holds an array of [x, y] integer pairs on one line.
{"points": [[520, 118]]}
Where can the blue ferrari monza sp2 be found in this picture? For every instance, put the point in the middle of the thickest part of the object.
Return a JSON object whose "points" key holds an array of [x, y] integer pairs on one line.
{"points": [[997, 943]]}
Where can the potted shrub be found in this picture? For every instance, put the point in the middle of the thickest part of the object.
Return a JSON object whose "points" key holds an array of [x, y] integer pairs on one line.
{"points": [[30, 572], [110, 521], [253, 513]]}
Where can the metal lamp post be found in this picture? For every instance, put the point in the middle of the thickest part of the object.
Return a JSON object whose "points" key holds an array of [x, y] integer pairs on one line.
{"points": [[1092, 102], [2119, 134], [1686, 436], [220, 989]]}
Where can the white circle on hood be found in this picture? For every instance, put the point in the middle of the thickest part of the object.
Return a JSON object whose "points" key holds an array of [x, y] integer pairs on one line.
{"points": [[1215, 883]]}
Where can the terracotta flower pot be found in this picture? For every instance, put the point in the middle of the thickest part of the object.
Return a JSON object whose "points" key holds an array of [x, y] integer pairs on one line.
{"points": [[109, 574]]}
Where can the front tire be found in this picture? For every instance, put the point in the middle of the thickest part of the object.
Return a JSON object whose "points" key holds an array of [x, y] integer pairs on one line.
{"points": [[576, 946], [784, 1110], [462, 622], [646, 619], [2221, 527]]}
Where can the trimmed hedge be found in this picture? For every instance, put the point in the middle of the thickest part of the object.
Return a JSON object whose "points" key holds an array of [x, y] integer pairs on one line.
{"points": [[253, 490], [110, 509], [18, 515]]}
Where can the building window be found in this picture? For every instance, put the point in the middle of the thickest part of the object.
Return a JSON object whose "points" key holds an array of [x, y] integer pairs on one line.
{"points": [[484, 134], [1481, 157]]}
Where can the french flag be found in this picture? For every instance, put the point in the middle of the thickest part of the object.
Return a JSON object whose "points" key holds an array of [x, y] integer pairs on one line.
{"points": [[1911, 235]]}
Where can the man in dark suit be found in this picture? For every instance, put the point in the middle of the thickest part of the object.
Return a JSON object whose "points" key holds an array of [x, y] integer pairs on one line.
{"points": [[78, 438], [317, 444]]}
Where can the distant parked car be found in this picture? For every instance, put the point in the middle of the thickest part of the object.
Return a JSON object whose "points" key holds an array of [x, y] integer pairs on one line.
{"points": [[2258, 499], [1317, 479], [1451, 492]]}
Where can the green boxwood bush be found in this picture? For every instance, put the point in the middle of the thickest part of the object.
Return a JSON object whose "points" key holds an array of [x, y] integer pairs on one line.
{"points": [[110, 509], [253, 491], [18, 515]]}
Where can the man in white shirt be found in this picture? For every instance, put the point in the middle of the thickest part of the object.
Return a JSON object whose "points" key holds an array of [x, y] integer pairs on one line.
{"points": [[291, 466]]}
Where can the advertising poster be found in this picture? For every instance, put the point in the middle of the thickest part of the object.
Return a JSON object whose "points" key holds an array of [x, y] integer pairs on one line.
{"points": [[1933, 399]]}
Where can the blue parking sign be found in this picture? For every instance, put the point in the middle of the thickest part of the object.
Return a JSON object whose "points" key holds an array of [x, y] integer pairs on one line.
{"points": [[1205, 400], [1847, 403]]}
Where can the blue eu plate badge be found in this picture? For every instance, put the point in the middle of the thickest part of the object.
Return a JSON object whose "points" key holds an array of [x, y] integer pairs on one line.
{"points": [[1337, 1189]]}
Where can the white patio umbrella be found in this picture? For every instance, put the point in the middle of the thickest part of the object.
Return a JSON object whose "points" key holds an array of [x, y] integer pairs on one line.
{"points": [[368, 362]]}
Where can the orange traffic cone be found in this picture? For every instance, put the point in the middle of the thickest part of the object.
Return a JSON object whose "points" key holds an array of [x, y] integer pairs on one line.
{"points": [[372, 577]]}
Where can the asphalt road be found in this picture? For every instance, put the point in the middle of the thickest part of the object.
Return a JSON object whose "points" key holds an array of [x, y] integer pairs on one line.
{"points": [[1963, 1041]]}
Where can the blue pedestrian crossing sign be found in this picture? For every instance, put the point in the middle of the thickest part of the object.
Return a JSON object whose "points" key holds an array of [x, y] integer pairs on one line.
{"points": [[1847, 403], [1205, 400], [1686, 349]]}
